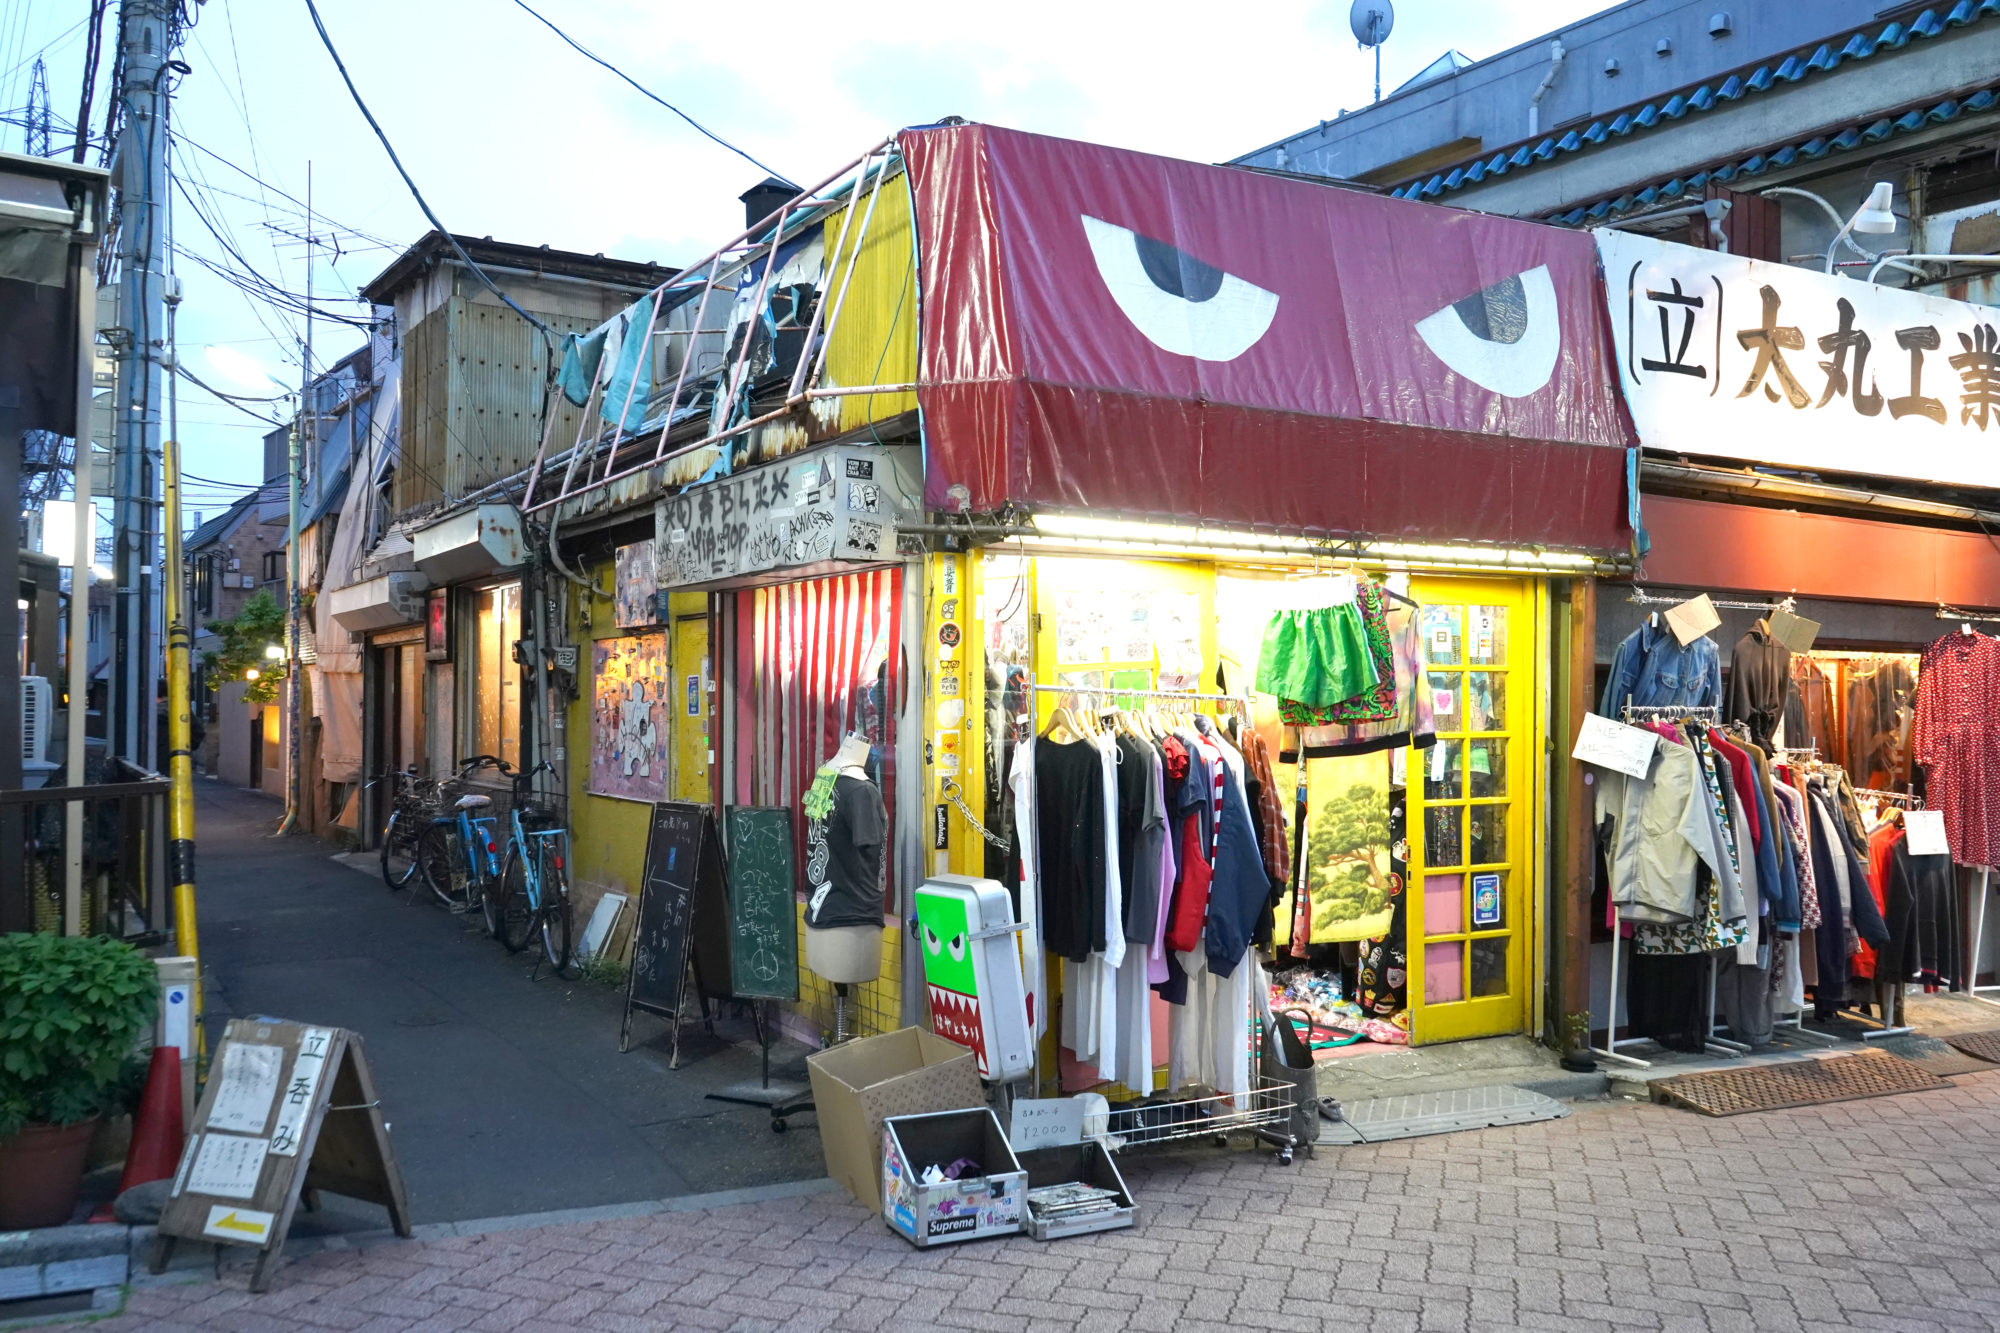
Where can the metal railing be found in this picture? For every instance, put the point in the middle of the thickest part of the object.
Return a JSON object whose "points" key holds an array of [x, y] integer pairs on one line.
{"points": [[122, 844], [607, 449]]}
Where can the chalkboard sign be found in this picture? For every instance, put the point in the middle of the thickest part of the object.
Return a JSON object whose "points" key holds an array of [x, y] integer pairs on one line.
{"points": [[763, 904], [683, 881]]}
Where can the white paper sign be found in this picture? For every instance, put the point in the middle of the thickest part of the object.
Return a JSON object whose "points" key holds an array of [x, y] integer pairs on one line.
{"points": [[246, 1088], [1438, 760], [1926, 832], [1615, 746], [1740, 358], [1046, 1122], [296, 1100], [227, 1166]]}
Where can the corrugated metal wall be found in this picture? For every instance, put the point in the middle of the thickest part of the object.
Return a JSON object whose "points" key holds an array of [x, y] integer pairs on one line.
{"points": [[876, 342]]}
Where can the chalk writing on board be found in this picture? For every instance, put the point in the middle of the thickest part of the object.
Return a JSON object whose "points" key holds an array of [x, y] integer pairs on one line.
{"points": [[763, 912]]}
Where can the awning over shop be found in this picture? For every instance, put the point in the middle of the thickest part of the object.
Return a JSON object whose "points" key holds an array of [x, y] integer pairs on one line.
{"points": [[1112, 331]]}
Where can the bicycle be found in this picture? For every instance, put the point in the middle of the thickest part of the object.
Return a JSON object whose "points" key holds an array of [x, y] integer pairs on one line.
{"points": [[533, 892], [414, 805], [458, 853]]}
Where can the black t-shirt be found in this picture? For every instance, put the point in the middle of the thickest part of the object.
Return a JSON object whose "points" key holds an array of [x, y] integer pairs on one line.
{"points": [[844, 857], [1069, 799]]}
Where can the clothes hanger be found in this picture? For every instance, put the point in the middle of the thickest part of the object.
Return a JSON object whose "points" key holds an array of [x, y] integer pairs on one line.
{"points": [[1062, 720]]}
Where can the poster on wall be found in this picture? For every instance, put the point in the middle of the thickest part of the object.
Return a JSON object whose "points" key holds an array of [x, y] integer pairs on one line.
{"points": [[635, 594], [1350, 880], [631, 717]]}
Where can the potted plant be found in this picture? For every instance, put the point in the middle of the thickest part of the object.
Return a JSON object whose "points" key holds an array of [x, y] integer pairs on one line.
{"points": [[71, 1011]]}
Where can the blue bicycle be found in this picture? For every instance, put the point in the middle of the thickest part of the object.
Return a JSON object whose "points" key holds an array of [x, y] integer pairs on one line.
{"points": [[532, 896], [459, 854]]}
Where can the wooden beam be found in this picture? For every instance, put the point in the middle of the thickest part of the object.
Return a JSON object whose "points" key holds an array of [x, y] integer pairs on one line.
{"points": [[1579, 855]]}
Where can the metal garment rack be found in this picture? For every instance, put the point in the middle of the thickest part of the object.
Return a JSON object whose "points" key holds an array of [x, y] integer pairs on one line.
{"points": [[1612, 1041], [1641, 598], [1972, 986], [1110, 691]]}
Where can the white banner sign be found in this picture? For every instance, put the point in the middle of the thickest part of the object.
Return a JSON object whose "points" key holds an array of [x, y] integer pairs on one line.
{"points": [[1739, 358]]}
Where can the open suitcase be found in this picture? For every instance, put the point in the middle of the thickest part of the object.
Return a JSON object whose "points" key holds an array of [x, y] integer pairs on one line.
{"points": [[968, 939]]}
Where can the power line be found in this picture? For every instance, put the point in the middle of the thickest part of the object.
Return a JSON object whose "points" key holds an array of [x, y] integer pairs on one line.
{"points": [[548, 337], [592, 55], [261, 183]]}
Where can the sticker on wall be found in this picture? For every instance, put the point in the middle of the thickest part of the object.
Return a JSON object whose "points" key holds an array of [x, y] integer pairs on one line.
{"points": [[940, 829], [948, 609], [950, 713], [947, 754], [694, 696], [950, 578], [948, 637], [1485, 900], [948, 685], [631, 711], [862, 469]]}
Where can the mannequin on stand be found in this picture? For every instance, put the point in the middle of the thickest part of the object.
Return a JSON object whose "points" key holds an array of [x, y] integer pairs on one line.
{"points": [[844, 875]]}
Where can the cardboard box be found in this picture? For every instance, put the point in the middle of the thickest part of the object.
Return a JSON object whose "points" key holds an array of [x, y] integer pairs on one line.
{"points": [[859, 1084], [969, 1208], [1087, 1163]]}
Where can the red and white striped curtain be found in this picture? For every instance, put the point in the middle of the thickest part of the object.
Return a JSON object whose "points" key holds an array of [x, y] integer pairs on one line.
{"points": [[822, 658]]}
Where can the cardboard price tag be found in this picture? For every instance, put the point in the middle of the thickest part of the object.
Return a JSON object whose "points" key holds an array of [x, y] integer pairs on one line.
{"points": [[1615, 746], [1926, 833], [1795, 632], [1046, 1122], [1692, 619]]}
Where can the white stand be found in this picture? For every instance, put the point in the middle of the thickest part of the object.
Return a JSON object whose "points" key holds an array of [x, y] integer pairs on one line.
{"points": [[1972, 986], [1713, 1044], [1612, 1041]]}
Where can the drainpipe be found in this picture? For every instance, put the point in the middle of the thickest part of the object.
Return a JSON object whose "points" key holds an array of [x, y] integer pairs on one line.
{"points": [[1556, 54]]}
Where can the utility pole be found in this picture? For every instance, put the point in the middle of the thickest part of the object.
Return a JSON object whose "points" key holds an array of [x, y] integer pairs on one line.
{"points": [[38, 110], [308, 411], [149, 30]]}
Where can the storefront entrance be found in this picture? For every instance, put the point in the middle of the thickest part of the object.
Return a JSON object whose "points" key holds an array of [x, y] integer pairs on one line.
{"points": [[1474, 854]]}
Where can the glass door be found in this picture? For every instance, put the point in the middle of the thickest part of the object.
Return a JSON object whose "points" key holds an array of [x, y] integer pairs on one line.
{"points": [[1472, 804]]}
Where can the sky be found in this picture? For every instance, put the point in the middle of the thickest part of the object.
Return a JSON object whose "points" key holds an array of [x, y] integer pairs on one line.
{"points": [[512, 134]]}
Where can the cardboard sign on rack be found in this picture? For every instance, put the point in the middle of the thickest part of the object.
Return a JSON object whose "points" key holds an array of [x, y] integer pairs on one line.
{"points": [[1926, 833], [1692, 619], [1794, 631], [1615, 746], [289, 1109]]}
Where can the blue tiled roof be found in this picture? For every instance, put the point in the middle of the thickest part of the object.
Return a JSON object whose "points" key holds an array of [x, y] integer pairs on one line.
{"points": [[1791, 69]]}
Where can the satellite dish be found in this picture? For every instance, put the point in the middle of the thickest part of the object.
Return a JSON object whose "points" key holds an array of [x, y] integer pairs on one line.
{"points": [[1371, 21]]}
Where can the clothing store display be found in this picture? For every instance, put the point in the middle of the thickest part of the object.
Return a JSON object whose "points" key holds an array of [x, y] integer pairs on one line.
{"points": [[1809, 710], [1318, 657], [1070, 847], [1378, 702], [1760, 681], [1651, 669], [1880, 698], [1956, 738], [846, 847], [1411, 722]]}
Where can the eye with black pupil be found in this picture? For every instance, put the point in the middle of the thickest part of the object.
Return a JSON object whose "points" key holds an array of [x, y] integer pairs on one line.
{"points": [[1176, 272], [1496, 314]]}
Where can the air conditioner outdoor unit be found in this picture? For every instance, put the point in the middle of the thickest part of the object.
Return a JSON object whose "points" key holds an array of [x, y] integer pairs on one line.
{"points": [[37, 715]]}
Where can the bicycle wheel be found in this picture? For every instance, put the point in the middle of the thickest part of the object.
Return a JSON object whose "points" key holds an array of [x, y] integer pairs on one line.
{"points": [[399, 851], [492, 905], [517, 915], [557, 922], [442, 862]]}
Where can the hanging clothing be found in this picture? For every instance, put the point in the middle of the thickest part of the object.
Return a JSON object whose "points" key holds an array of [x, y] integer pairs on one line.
{"points": [[1412, 722], [1957, 740], [1658, 828], [1652, 670], [1718, 923], [1809, 711], [1378, 702], [1760, 681], [1881, 695], [1318, 657], [1028, 899], [1069, 819]]}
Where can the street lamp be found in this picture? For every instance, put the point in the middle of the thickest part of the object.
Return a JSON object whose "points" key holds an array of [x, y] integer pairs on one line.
{"points": [[1873, 218], [273, 651]]}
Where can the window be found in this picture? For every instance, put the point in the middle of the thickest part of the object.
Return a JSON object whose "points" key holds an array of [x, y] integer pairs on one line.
{"points": [[202, 576], [274, 566], [492, 676]]}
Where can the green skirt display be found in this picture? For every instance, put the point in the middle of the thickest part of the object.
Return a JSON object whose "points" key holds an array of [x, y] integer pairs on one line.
{"points": [[1318, 657]]}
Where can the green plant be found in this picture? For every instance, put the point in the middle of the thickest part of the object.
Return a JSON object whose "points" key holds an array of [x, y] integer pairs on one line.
{"points": [[71, 1010], [601, 970], [256, 626]]}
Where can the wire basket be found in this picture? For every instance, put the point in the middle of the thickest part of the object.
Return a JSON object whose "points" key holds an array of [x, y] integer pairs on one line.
{"points": [[1265, 1110]]}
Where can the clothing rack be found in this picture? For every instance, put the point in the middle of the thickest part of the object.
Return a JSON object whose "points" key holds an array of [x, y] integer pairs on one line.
{"points": [[1972, 986], [1642, 598], [1612, 1041], [1105, 690], [1899, 797]]}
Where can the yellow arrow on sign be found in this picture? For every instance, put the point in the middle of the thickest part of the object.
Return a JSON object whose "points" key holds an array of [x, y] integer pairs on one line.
{"points": [[232, 1222]]}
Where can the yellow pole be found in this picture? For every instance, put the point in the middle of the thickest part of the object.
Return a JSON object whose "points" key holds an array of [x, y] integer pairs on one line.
{"points": [[180, 727]]}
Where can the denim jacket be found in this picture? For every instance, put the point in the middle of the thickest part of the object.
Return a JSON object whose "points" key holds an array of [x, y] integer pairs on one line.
{"points": [[1653, 668]]}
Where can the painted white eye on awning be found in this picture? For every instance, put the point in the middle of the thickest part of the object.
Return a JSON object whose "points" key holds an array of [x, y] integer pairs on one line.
{"points": [[1504, 337], [1181, 304]]}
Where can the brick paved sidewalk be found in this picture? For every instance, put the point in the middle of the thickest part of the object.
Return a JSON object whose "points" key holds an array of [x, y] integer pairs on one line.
{"points": [[1880, 1214]]}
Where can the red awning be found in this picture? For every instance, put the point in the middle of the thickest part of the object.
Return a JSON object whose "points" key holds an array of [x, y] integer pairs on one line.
{"points": [[1112, 331]]}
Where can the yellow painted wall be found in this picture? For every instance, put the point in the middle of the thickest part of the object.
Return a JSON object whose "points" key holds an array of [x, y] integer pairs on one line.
{"points": [[607, 836], [875, 341]]}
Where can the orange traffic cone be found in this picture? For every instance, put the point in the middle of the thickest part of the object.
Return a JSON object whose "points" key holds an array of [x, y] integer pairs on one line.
{"points": [[157, 1131]]}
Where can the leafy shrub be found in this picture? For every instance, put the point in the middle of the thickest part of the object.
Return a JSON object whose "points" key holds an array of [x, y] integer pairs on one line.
{"points": [[71, 1009]]}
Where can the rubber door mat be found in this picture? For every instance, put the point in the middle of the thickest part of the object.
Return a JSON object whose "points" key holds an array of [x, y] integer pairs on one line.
{"points": [[1984, 1045], [1936, 1054], [1837, 1078]]}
